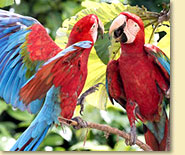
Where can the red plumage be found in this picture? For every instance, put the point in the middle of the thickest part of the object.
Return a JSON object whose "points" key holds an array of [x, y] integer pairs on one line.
{"points": [[40, 45], [68, 72], [139, 81]]}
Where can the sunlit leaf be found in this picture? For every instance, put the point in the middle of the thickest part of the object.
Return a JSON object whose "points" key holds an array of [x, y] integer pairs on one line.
{"points": [[59, 149], [65, 132], [4, 3], [164, 43], [121, 146], [90, 145]]}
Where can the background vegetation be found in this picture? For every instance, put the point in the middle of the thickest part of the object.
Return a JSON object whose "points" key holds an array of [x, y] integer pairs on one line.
{"points": [[52, 13]]}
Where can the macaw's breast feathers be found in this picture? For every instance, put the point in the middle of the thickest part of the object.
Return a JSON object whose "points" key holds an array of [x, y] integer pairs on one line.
{"points": [[54, 72]]}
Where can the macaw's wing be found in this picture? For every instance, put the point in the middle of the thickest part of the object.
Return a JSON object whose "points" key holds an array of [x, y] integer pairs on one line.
{"points": [[159, 58], [55, 72], [114, 83], [24, 46]]}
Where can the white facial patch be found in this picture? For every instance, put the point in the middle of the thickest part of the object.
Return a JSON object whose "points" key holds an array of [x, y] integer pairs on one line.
{"points": [[120, 20], [94, 31], [131, 30]]}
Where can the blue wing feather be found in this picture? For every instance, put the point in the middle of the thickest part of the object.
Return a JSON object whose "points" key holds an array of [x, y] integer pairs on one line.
{"points": [[165, 63], [160, 59], [41, 124], [13, 32], [9, 85]]}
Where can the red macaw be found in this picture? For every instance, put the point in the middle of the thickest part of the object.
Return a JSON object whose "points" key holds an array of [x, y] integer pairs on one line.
{"points": [[33, 70], [140, 80]]}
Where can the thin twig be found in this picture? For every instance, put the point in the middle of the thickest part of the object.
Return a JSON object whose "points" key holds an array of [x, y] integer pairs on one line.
{"points": [[106, 129], [153, 22], [155, 27], [149, 18]]}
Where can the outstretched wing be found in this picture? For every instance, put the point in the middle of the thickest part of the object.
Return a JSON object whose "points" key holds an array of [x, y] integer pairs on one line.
{"points": [[54, 72], [24, 46], [114, 83]]}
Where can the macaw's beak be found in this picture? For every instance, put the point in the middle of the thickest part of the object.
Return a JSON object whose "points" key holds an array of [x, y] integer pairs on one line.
{"points": [[117, 27], [100, 29]]}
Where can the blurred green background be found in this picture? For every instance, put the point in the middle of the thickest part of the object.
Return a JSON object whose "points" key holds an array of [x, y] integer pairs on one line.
{"points": [[51, 13]]}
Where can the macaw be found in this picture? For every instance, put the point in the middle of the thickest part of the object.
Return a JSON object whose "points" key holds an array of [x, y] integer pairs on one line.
{"points": [[38, 76], [139, 80]]}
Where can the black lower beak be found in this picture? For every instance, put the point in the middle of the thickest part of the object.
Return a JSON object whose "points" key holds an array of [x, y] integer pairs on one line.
{"points": [[124, 38]]}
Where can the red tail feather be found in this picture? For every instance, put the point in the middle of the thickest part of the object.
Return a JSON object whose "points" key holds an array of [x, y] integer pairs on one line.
{"points": [[152, 141]]}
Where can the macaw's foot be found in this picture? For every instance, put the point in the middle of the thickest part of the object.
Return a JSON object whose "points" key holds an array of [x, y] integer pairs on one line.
{"points": [[132, 138], [85, 94], [81, 123]]}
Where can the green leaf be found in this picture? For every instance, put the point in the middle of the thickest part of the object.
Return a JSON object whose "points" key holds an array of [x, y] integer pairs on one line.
{"points": [[90, 145], [121, 146], [164, 43], [3, 106], [92, 114], [8, 125], [24, 124], [53, 139], [4, 130], [103, 51], [59, 149], [4, 3], [20, 115], [41, 7]]}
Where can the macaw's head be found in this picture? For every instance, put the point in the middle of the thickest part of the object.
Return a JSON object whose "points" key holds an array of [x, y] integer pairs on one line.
{"points": [[128, 29], [87, 28]]}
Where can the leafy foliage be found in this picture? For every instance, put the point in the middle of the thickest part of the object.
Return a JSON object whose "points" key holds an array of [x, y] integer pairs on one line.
{"points": [[52, 14], [4, 3]]}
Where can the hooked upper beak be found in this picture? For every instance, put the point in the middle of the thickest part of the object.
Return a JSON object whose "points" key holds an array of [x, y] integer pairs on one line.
{"points": [[118, 26], [100, 28]]}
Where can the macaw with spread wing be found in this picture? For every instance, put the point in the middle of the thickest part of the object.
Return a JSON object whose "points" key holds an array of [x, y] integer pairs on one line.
{"points": [[140, 80], [37, 76]]}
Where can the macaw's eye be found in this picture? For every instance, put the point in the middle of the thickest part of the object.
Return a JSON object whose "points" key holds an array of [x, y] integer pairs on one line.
{"points": [[94, 25]]}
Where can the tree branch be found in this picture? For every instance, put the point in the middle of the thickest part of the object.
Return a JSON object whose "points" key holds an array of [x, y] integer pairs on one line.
{"points": [[106, 129]]}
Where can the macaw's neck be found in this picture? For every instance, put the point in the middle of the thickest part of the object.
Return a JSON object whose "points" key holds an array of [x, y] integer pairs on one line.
{"points": [[85, 54], [77, 37], [134, 48]]}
